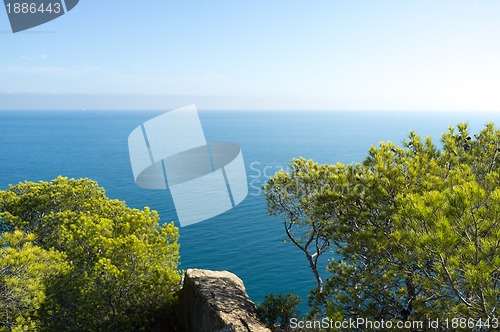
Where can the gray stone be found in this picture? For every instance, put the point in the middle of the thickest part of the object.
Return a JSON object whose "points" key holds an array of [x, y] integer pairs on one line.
{"points": [[216, 301]]}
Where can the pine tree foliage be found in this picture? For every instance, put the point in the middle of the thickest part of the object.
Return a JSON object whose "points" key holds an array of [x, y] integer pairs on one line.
{"points": [[77, 260], [415, 229]]}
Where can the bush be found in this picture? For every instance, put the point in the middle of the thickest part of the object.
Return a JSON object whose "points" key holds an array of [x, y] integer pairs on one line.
{"points": [[120, 266], [277, 310], [24, 270]]}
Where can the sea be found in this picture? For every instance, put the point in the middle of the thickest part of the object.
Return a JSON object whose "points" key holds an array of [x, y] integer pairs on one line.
{"points": [[41, 145]]}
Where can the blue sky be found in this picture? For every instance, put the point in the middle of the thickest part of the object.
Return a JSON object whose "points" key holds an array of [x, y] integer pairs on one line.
{"points": [[370, 55]]}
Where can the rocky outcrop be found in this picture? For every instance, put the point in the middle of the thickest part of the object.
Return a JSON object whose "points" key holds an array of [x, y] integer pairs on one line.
{"points": [[216, 301]]}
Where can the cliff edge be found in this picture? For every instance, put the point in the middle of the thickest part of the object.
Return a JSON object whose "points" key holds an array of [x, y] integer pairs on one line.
{"points": [[216, 301]]}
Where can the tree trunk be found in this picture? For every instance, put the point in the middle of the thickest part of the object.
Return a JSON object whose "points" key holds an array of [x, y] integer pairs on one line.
{"points": [[314, 268]]}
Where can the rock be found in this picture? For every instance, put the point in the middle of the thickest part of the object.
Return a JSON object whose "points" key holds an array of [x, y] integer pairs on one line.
{"points": [[216, 301]]}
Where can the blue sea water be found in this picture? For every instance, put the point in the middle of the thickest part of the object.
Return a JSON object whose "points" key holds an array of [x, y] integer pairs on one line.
{"points": [[40, 145]]}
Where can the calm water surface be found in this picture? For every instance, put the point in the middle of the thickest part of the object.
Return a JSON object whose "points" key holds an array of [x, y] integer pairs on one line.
{"points": [[37, 146]]}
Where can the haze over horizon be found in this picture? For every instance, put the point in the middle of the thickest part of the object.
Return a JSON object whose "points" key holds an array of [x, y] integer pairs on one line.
{"points": [[322, 55]]}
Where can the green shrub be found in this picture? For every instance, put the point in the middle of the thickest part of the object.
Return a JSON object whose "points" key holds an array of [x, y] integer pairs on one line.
{"points": [[277, 310], [120, 266]]}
